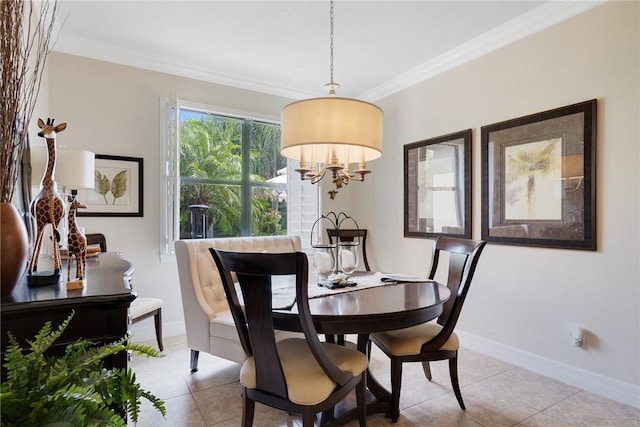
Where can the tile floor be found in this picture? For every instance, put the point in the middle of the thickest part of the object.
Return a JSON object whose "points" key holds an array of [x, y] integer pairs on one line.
{"points": [[495, 393]]}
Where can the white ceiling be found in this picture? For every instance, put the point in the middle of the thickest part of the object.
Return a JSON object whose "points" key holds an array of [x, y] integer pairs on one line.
{"points": [[282, 47]]}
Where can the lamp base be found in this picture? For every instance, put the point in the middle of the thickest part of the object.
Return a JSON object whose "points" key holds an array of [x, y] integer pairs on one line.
{"points": [[43, 278]]}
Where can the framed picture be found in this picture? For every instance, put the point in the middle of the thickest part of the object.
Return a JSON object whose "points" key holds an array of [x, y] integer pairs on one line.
{"points": [[437, 186], [118, 188], [538, 179]]}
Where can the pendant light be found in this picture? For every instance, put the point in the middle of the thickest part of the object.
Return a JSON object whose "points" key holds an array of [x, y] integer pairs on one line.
{"points": [[326, 135]]}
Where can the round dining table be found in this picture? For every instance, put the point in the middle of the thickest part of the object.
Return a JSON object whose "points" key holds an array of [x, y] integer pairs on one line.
{"points": [[364, 311]]}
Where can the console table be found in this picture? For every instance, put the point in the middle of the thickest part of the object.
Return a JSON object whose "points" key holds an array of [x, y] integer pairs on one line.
{"points": [[101, 307]]}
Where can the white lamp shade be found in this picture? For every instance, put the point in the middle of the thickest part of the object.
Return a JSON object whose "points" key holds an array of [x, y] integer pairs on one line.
{"points": [[315, 129], [74, 169]]}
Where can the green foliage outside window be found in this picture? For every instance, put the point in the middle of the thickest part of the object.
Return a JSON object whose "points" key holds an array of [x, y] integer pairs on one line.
{"points": [[215, 170]]}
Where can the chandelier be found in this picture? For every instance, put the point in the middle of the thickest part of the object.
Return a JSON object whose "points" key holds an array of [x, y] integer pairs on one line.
{"points": [[326, 135]]}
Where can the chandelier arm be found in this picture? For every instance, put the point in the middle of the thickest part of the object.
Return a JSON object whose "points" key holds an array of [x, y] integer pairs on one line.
{"points": [[319, 175]]}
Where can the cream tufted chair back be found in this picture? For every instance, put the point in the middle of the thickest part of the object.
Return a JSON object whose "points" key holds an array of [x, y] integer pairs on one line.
{"points": [[208, 321]]}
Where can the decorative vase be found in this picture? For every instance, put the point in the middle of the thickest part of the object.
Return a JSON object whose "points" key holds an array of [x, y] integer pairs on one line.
{"points": [[14, 248]]}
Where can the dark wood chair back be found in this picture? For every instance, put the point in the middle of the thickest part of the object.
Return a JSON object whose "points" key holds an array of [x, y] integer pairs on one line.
{"points": [[97, 239], [349, 235], [255, 322], [463, 259]]}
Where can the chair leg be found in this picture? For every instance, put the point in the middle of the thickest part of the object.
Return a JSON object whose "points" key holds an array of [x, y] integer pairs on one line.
{"points": [[427, 369], [361, 398], [453, 372], [194, 360], [158, 321], [308, 418], [248, 408], [396, 382]]}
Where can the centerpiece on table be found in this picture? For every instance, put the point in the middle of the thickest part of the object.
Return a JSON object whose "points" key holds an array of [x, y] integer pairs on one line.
{"points": [[334, 262]]}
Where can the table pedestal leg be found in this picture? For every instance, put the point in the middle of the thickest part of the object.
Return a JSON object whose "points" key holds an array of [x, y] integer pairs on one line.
{"points": [[378, 398]]}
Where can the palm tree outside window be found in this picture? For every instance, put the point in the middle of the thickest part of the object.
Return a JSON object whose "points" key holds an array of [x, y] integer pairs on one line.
{"points": [[230, 166]]}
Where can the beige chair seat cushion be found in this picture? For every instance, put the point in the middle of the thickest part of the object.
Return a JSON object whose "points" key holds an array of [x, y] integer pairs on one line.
{"points": [[408, 341], [307, 384], [142, 306]]}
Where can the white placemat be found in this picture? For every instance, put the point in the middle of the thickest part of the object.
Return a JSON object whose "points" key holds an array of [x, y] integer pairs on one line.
{"points": [[284, 295]]}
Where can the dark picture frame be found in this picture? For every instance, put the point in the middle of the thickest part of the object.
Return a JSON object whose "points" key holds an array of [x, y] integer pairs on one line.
{"points": [[437, 186], [118, 190], [538, 179]]}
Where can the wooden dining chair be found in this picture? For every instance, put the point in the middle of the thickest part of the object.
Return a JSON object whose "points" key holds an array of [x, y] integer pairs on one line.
{"points": [[297, 375], [349, 235], [434, 340], [142, 307], [97, 239]]}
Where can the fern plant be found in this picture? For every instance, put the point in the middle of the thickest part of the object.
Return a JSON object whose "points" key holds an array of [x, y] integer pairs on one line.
{"points": [[73, 389]]}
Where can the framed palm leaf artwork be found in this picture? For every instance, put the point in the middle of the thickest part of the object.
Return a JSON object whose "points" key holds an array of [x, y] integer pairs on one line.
{"points": [[538, 179], [117, 188]]}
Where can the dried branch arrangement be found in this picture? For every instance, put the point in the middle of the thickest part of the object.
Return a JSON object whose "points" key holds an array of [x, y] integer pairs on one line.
{"points": [[25, 33]]}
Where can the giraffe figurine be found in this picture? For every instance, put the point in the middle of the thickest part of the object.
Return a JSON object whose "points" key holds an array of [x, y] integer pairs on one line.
{"points": [[77, 244], [47, 206]]}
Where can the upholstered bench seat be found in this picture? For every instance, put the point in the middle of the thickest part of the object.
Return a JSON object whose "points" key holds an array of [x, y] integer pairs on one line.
{"points": [[208, 321]]}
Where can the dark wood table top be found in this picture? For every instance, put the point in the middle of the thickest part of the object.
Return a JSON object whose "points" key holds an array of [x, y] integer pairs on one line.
{"points": [[380, 308], [107, 279]]}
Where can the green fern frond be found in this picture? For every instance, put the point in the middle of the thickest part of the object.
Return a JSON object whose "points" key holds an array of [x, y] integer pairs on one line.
{"points": [[73, 389], [46, 337], [146, 350]]}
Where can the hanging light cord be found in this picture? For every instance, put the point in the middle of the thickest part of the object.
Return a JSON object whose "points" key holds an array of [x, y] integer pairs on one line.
{"points": [[332, 86], [331, 40]]}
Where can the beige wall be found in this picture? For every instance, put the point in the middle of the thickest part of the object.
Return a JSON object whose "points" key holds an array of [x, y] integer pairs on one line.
{"points": [[524, 299], [527, 298], [112, 109]]}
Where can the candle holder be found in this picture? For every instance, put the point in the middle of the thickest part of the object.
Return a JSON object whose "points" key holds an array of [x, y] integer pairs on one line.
{"points": [[331, 259]]}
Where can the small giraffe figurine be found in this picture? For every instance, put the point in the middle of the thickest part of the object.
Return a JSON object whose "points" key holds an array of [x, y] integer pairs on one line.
{"points": [[47, 206], [77, 240]]}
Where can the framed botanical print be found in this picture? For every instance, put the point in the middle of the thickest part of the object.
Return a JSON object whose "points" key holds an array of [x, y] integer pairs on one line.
{"points": [[117, 190]]}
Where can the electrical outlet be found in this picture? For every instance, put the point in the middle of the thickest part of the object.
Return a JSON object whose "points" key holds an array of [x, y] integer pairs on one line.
{"points": [[576, 335]]}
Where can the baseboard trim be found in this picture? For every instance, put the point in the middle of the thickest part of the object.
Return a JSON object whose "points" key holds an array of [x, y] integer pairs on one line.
{"points": [[146, 331], [610, 388]]}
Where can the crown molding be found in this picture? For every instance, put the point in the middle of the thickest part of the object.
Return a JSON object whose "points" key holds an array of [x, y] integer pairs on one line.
{"points": [[128, 57], [529, 23], [536, 20]]}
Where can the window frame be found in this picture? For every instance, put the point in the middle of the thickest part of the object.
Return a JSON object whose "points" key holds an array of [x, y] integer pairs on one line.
{"points": [[170, 175]]}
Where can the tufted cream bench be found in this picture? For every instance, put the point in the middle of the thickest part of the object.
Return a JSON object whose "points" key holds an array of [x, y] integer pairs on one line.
{"points": [[207, 317]]}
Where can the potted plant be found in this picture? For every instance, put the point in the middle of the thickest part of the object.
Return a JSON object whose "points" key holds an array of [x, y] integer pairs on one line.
{"points": [[72, 389], [25, 32]]}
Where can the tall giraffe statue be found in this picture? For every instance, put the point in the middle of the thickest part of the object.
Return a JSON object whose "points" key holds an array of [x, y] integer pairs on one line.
{"points": [[47, 207], [77, 240]]}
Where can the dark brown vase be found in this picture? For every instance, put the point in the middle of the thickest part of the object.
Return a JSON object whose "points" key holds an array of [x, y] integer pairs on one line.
{"points": [[14, 248]]}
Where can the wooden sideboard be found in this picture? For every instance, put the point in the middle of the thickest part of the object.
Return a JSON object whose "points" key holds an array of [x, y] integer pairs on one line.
{"points": [[101, 308]]}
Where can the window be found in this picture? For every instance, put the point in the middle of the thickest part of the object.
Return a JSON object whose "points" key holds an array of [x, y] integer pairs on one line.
{"points": [[224, 177]]}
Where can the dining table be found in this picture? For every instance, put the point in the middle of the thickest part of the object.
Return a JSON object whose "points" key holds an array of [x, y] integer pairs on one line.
{"points": [[361, 311]]}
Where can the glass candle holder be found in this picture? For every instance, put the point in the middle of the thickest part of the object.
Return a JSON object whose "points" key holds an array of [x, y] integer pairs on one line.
{"points": [[348, 257], [324, 261]]}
